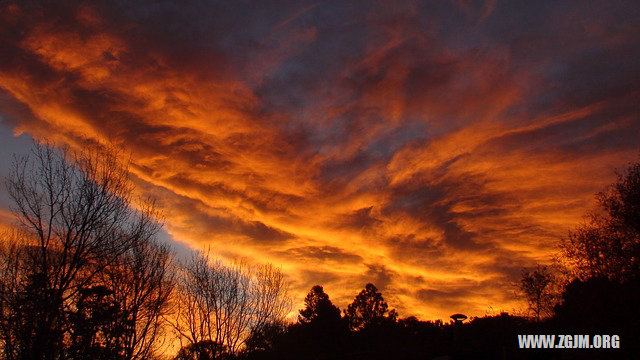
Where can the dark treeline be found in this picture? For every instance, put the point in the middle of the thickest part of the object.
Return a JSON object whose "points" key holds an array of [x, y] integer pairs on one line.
{"points": [[595, 307], [83, 276]]}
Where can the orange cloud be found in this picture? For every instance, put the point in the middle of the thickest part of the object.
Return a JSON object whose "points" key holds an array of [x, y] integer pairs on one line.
{"points": [[345, 145]]}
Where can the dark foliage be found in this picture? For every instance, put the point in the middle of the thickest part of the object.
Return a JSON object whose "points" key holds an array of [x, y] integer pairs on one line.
{"points": [[99, 325], [601, 305], [369, 310], [318, 308], [608, 244], [204, 350], [265, 337]]}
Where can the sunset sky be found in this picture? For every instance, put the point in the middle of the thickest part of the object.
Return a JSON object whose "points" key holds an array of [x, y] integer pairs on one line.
{"points": [[433, 148]]}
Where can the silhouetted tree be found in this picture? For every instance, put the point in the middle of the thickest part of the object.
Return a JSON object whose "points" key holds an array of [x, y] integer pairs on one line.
{"points": [[223, 303], [318, 308], [265, 337], [142, 281], [537, 286], [604, 253], [368, 309], [319, 333], [77, 220], [608, 244], [98, 326], [204, 350], [26, 302], [598, 303], [320, 326]]}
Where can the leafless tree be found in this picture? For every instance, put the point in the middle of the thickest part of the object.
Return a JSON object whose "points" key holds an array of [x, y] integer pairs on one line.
{"points": [[142, 281], [222, 303], [12, 316], [79, 230]]}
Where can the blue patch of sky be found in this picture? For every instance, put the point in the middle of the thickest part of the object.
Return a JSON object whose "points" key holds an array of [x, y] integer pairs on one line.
{"points": [[10, 145]]}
